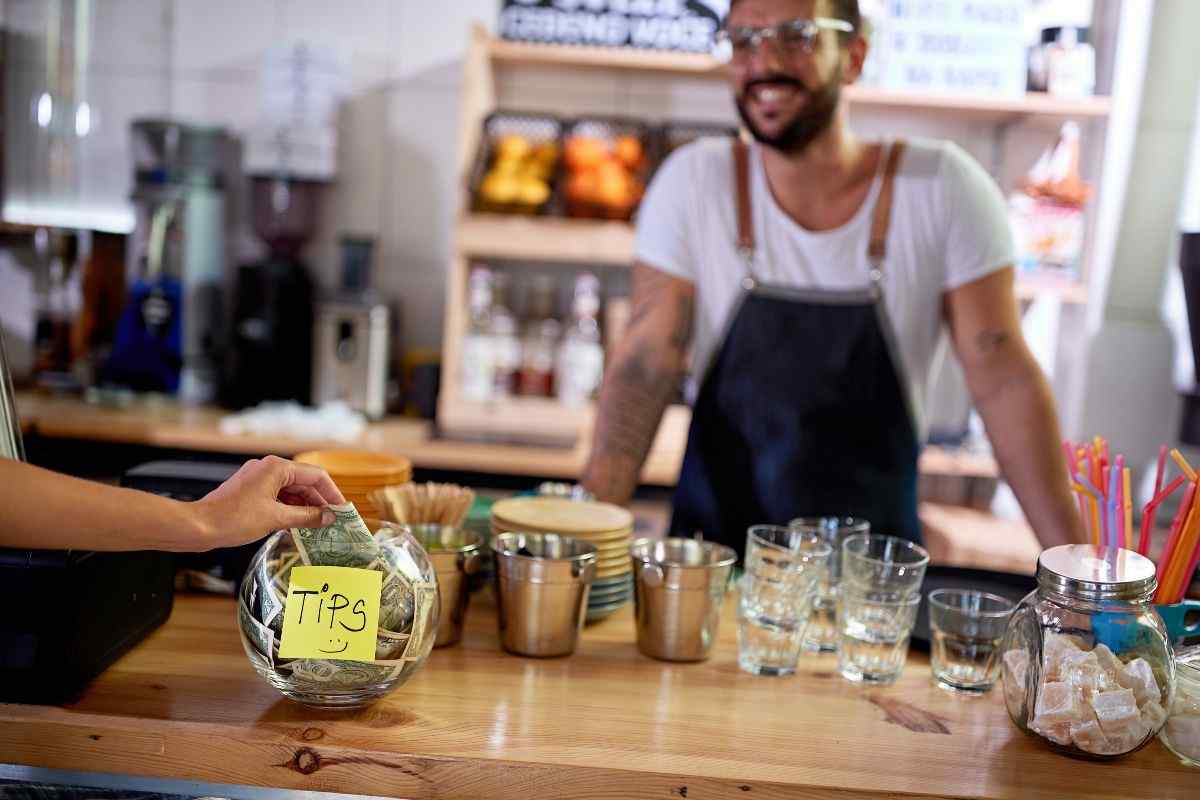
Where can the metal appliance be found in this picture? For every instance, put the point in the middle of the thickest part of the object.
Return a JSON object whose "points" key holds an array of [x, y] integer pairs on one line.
{"points": [[351, 354], [170, 336]]}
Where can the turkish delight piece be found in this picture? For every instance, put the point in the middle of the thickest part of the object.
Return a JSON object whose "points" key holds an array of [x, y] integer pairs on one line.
{"points": [[1140, 676], [1016, 661], [1055, 647], [1153, 716], [1059, 733], [1082, 670], [1113, 668], [1058, 702], [1183, 730], [1117, 713], [1090, 737]]}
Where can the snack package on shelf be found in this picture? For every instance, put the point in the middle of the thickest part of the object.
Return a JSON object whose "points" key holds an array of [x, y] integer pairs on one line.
{"points": [[1048, 210]]}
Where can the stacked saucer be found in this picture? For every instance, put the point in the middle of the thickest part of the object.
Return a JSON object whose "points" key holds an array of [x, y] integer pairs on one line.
{"points": [[358, 473], [606, 526]]}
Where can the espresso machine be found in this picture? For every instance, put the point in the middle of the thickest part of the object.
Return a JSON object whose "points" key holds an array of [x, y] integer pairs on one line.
{"points": [[169, 338], [271, 341]]}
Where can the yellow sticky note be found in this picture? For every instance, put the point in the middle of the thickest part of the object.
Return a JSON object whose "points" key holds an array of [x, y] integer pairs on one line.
{"points": [[332, 613]]}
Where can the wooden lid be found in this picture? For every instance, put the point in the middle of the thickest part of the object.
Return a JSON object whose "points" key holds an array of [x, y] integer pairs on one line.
{"points": [[361, 464], [560, 515]]}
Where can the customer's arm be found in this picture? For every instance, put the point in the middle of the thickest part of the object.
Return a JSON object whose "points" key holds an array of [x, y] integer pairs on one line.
{"points": [[46, 510], [642, 376], [1012, 396]]}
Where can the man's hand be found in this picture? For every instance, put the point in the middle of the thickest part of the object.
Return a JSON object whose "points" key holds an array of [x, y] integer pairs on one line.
{"points": [[1015, 402], [264, 495], [643, 375]]}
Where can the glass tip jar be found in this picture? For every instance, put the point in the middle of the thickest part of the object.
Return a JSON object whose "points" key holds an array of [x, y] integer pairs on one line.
{"points": [[1087, 664]]}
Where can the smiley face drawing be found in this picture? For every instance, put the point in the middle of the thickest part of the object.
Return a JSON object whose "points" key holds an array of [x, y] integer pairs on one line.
{"points": [[333, 641]]}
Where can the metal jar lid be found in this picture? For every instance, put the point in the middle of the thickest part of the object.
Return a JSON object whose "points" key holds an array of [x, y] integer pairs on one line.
{"points": [[1088, 572]]}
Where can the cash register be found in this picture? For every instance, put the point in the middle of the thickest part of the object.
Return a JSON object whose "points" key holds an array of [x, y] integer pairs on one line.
{"points": [[70, 613]]}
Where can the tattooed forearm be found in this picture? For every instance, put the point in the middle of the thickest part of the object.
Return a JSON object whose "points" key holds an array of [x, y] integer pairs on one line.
{"points": [[643, 376], [988, 343]]}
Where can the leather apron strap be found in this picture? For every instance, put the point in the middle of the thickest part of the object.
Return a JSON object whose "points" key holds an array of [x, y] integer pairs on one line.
{"points": [[881, 217]]}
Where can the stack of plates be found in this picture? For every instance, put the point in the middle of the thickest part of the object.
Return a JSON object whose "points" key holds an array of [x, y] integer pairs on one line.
{"points": [[357, 473], [606, 526]]}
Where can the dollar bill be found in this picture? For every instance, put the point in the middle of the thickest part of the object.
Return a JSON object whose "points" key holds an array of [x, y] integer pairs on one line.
{"points": [[345, 543], [425, 603], [345, 674], [389, 644], [261, 636], [270, 605], [282, 572], [396, 603]]}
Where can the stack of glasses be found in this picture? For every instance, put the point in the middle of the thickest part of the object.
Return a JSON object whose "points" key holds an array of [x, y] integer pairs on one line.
{"points": [[822, 633], [783, 569], [877, 605]]}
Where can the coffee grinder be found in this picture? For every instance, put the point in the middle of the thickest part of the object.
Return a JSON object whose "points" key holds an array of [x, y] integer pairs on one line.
{"points": [[271, 351]]}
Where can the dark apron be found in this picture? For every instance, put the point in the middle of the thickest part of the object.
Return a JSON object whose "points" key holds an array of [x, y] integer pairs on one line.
{"points": [[804, 410]]}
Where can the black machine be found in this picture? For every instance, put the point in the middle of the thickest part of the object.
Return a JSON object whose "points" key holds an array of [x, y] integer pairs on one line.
{"points": [[271, 343], [79, 611]]}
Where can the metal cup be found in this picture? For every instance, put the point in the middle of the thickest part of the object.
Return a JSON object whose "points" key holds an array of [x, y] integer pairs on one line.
{"points": [[542, 582], [679, 585], [456, 555]]}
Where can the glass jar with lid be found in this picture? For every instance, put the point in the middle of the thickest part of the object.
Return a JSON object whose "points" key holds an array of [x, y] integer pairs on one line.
{"points": [[1182, 732], [1087, 661]]}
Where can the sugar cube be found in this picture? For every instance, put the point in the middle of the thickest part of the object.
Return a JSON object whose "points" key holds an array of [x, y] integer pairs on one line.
{"points": [[1140, 676], [1153, 715], [1088, 736], [1059, 733], [1183, 731], [1058, 702], [1055, 647], [1117, 712], [1016, 661]]}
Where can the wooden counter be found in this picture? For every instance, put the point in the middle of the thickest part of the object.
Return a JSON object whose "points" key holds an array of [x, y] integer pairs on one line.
{"points": [[603, 723], [167, 424]]}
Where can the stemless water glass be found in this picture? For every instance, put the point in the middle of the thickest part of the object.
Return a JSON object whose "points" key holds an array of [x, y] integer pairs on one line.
{"points": [[967, 628], [782, 569], [885, 565], [874, 629], [822, 632]]}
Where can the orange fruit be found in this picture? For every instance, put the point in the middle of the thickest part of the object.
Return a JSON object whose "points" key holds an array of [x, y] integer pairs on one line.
{"points": [[583, 152], [629, 151]]}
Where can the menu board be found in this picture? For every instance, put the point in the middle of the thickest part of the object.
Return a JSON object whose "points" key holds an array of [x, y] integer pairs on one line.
{"points": [[687, 25], [972, 47]]}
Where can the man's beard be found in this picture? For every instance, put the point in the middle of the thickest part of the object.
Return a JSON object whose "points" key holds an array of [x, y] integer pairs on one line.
{"points": [[809, 123]]}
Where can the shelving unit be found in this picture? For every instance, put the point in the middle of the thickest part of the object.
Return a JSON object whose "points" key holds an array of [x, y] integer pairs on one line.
{"points": [[574, 243]]}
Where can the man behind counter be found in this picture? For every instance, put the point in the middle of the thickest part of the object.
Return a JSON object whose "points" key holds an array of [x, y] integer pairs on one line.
{"points": [[809, 274]]}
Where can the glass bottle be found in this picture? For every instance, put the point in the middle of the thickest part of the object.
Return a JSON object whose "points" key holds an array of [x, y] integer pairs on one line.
{"points": [[478, 359], [504, 339], [539, 341], [1182, 732], [1087, 662], [580, 355]]}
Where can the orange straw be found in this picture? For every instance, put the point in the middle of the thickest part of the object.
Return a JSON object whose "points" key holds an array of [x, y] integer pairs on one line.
{"points": [[1188, 573], [1176, 580], [1178, 458]]}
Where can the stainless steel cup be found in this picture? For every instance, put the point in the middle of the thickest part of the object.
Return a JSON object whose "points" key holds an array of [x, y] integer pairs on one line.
{"points": [[542, 582], [456, 555], [679, 585]]}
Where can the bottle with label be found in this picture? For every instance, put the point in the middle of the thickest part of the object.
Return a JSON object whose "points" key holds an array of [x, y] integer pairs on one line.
{"points": [[505, 339], [580, 355], [477, 374], [539, 341]]}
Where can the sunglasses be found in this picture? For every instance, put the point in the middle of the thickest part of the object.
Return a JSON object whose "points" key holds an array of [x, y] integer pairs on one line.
{"points": [[791, 37]]}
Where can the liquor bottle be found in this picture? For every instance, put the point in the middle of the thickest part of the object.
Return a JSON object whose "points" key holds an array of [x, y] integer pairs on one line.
{"points": [[539, 341], [478, 365], [580, 354], [505, 340]]}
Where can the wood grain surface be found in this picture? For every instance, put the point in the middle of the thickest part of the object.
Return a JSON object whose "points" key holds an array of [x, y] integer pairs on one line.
{"points": [[603, 723]]}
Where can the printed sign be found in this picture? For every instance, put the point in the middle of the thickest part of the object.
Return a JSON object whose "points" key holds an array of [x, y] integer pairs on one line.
{"points": [[954, 46], [687, 25], [332, 613]]}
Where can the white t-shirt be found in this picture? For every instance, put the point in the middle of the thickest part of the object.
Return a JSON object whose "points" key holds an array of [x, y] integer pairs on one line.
{"points": [[949, 227]]}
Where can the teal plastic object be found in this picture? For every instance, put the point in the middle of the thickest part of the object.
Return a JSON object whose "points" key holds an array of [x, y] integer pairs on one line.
{"points": [[1182, 621]]}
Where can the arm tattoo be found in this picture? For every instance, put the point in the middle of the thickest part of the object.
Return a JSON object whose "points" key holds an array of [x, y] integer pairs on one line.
{"points": [[988, 343]]}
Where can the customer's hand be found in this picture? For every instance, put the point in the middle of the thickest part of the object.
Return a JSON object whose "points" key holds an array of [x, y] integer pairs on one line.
{"points": [[267, 494]]}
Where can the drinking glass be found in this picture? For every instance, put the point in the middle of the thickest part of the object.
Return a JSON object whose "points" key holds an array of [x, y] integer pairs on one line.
{"points": [[782, 569], [885, 565], [822, 635], [967, 628], [874, 629]]}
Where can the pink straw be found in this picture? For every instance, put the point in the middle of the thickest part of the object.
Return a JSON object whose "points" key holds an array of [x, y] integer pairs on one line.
{"points": [[1158, 475], [1176, 531], [1151, 510]]}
